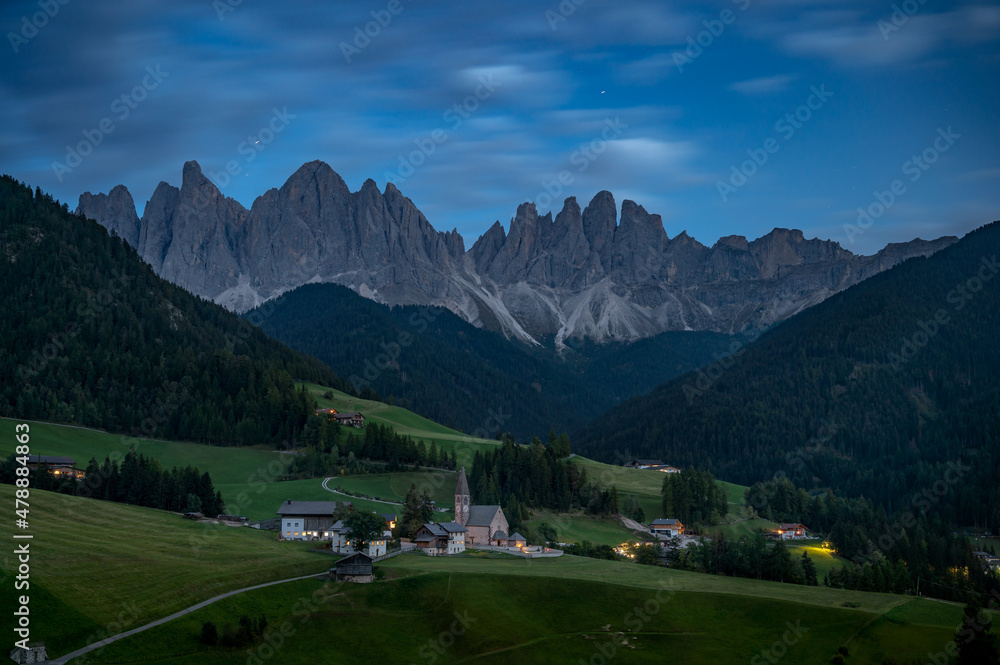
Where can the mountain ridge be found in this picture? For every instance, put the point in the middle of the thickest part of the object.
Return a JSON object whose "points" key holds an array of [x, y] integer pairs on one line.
{"points": [[585, 273]]}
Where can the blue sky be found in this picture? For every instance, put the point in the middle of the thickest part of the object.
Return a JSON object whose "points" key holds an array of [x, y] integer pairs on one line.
{"points": [[553, 100]]}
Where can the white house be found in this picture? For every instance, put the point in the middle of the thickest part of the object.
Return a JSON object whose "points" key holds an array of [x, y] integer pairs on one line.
{"points": [[340, 541], [665, 527], [306, 520], [441, 538], [789, 531]]}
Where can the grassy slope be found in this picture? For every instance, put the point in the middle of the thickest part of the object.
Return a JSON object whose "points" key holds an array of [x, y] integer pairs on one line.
{"points": [[394, 486], [824, 559], [405, 422], [531, 610], [122, 566], [577, 528], [227, 465], [95, 562]]}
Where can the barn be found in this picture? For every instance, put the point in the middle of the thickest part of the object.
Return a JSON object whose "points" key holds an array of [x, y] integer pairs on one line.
{"points": [[354, 568]]}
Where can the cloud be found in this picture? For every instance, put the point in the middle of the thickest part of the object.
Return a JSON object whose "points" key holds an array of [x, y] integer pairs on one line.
{"points": [[763, 85]]}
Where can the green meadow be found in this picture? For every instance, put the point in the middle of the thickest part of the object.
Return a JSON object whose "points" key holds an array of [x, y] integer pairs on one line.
{"points": [[404, 422], [469, 610], [101, 568], [95, 563]]}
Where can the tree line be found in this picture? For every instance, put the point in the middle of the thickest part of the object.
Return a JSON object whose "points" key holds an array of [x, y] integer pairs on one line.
{"points": [[136, 480], [91, 336]]}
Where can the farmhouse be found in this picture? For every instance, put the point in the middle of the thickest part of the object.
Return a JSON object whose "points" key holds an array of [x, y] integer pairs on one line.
{"points": [[353, 419], [487, 525], [340, 541], [665, 527], [64, 467], [441, 538], [644, 463], [354, 568], [307, 520], [789, 531]]}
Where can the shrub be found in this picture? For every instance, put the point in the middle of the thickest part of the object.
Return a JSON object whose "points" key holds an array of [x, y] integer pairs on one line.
{"points": [[209, 634]]}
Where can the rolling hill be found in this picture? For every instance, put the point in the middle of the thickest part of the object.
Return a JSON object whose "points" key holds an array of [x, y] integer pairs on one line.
{"points": [[91, 336], [452, 372], [877, 391]]}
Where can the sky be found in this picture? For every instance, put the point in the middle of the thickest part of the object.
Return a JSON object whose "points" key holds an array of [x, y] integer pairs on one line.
{"points": [[861, 122]]}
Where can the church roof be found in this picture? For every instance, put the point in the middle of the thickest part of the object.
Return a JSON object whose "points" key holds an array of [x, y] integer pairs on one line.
{"points": [[463, 483], [481, 515]]}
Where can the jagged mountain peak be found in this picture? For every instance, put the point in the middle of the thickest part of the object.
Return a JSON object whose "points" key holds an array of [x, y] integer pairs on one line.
{"points": [[601, 272]]}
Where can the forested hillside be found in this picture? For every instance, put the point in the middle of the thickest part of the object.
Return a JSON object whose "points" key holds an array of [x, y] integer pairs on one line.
{"points": [[91, 336], [441, 367], [878, 391]]}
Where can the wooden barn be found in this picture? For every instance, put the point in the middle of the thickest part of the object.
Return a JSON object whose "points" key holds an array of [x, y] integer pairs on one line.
{"points": [[354, 568]]}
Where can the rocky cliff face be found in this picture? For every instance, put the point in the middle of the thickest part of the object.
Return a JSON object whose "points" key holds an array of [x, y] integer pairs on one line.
{"points": [[115, 210], [583, 274]]}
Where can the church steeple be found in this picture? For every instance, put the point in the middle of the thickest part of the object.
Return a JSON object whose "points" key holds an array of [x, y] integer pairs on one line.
{"points": [[462, 498]]}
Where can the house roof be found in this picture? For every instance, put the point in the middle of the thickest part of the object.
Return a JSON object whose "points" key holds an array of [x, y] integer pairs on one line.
{"points": [[481, 515], [649, 462], [442, 529], [352, 414], [788, 526], [360, 557], [500, 535], [516, 536], [50, 459], [389, 517], [463, 483], [310, 508], [664, 522]]}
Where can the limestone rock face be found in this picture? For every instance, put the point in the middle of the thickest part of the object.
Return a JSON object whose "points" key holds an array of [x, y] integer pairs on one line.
{"points": [[115, 210], [590, 273]]}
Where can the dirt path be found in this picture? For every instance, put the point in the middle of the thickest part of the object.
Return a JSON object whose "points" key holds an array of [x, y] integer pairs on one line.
{"points": [[114, 638]]}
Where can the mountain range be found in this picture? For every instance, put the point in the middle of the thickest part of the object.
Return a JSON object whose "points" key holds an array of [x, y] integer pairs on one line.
{"points": [[590, 273], [881, 391]]}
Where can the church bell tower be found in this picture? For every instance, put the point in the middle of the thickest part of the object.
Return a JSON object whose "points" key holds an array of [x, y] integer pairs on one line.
{"points": [[462, 499]]}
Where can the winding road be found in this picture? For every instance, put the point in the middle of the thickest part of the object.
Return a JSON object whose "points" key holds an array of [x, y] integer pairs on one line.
{"points": [[114, 638]]}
